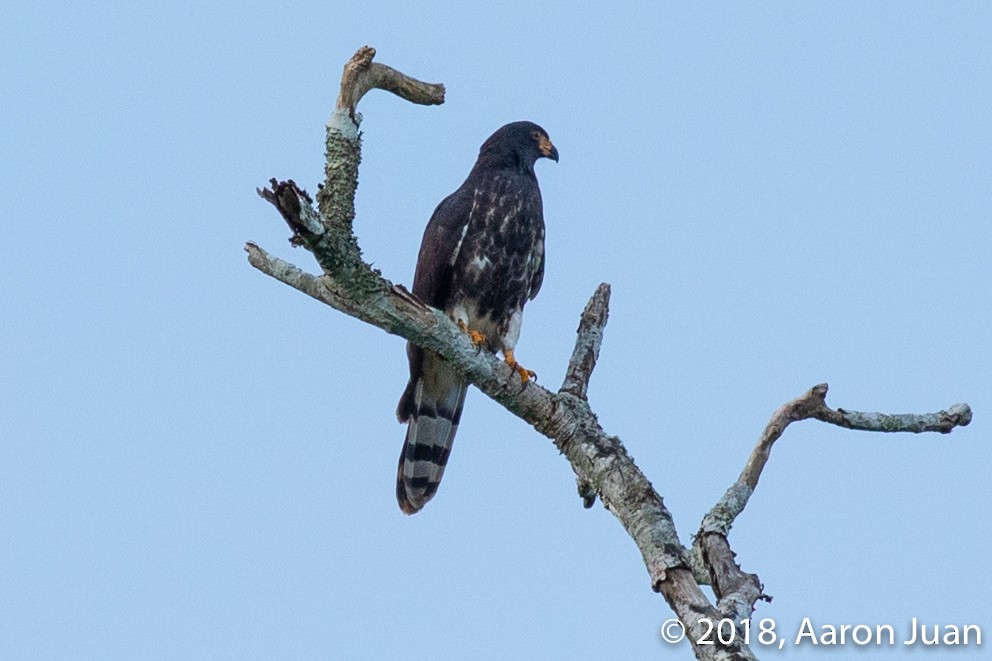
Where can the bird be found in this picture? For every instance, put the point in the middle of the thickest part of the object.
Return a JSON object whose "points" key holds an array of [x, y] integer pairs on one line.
{"points": [[481, 259]]}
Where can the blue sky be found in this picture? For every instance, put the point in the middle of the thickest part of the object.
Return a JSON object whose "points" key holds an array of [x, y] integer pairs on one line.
{"points": [[197, 462]]}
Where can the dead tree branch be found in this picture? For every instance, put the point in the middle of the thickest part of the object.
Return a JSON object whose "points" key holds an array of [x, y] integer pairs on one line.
{"points": [[602, 465], [361, 75], [736, 590]]}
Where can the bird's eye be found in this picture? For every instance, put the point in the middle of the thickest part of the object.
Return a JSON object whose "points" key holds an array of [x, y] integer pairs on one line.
{"points": [[535, 135]]}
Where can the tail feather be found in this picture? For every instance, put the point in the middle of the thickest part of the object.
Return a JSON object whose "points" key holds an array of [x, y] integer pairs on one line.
{"points": [[432, 407]]}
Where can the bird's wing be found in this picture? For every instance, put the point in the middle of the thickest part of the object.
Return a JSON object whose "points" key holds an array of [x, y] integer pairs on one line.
{"points": [[536, 209], [535, 283], [432, 280], [439, 248]]}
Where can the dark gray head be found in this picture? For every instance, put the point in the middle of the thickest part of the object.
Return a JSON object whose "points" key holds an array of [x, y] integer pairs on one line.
{"points": [[518, 144]]}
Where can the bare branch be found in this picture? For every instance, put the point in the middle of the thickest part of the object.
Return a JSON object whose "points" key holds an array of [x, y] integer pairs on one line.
{"points": [[958, 415], [590, 338], [813, 404], [736, 589], [800, 408], [361, 74], [583, 362], [294, 205]]}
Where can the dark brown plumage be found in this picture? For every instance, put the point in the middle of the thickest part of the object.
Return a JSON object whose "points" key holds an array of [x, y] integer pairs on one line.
{"points": [[481, 260]]}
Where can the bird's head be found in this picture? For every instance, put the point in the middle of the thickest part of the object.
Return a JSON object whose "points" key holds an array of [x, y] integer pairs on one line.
{"points": [[518, 144]]}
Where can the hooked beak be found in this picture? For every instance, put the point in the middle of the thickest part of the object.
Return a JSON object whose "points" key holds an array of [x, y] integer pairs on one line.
{"points": [[547, 149]]}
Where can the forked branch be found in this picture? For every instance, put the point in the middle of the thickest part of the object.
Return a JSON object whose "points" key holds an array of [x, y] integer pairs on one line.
{"points": [[737, 590]]}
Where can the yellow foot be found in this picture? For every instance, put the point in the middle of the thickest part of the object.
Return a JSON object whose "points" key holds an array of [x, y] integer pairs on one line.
{"points": [[525, 374], [478, 339]]}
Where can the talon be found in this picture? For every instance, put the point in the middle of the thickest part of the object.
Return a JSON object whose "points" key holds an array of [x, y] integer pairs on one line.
{"points": [[525, 374], [478, 339]]}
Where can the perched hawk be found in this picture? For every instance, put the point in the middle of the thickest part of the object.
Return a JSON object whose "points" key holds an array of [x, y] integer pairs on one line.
{"points": [[481, 260]]}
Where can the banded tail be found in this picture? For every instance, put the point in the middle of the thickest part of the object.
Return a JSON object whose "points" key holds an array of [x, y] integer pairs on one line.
{"points": [[431, 406]]}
